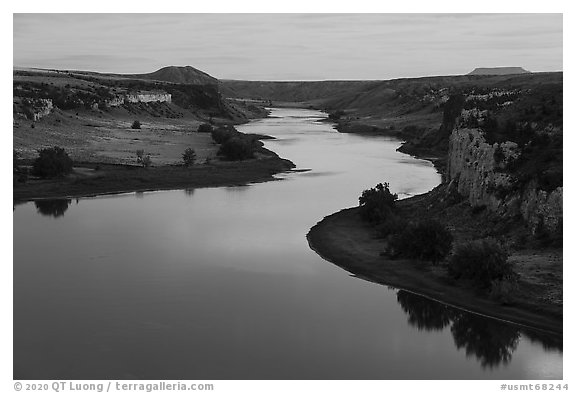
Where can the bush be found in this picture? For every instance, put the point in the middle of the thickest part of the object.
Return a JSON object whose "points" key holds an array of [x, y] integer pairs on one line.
{"points": [[142, 159], [52, 162], [139, 156], [425, 240], [189, 157], [504, 291], [205, 127], [482, 261], [136, 125], [377, 204], [237, 149], [393, 225], [222, 134], [146, 161], [336, 115]]}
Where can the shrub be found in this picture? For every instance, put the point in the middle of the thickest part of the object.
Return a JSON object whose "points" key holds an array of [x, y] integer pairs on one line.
{"points": [[52, 162], [336, 115], [499, 154], [139, 156], [504, 291], [392, 225], [142, 159], [205, 127], [136, 125], [146, 161], [482, 261], [424, 240], [377, 204], [237, 149], [222, 134], [189, 157]]}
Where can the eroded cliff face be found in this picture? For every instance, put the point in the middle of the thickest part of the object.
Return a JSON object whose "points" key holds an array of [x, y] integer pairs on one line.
{"points": [[139, 97], [33, 108], [148, 97], [477, 170]]}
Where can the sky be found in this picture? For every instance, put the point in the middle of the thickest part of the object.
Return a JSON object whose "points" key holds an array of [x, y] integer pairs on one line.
{"points": [[290, 46]]}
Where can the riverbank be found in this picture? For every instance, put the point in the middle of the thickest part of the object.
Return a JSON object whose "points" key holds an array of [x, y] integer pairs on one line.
{"points": [[90, 179], [352, 244], [406, 129]]}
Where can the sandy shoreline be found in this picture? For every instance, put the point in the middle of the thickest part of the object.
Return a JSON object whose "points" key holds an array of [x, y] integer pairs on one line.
{"points": [[345, 240]]}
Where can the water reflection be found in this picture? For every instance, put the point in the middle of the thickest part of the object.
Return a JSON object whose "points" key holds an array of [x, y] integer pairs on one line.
{"points": [[189, 192], [492, 342], [424, 314], [52, 207]]}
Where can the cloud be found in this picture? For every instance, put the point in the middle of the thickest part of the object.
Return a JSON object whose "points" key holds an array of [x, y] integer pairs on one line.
{"points": [[286, 46]]}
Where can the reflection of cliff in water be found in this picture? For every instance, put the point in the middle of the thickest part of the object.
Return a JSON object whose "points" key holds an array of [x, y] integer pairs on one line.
{"points": [[492, 342], [52, 207]]}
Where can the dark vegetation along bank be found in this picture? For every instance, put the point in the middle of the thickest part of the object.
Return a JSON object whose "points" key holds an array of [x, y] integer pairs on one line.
{"points": [[489, 238], [82, 133]]}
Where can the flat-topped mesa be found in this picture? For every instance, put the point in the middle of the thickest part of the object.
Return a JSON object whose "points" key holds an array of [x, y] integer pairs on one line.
{"points": [[499, 71]]}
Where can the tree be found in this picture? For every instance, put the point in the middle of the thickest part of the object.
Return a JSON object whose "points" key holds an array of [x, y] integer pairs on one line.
{"points": [[136, 125], [204, 127], [146, 161], [482, 261], [139, 156], [423, 240], [376, 204], [142, 159], [52, 162], [189, 157], [236, 149]]}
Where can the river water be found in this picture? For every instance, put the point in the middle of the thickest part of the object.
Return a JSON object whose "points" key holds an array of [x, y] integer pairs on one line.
{"points": [[220, 283]]}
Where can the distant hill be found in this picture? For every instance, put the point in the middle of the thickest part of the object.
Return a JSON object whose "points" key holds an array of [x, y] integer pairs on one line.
{"points": [[184, 75], [499, 71]]}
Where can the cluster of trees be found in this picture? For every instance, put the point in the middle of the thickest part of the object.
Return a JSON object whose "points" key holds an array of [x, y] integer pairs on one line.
{"points": [[423, 240], [483, 262], [234, 146], [52, 162]]}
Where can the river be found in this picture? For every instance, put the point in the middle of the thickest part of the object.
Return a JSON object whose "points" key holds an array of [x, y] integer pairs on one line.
{"points": [[220, 283]]}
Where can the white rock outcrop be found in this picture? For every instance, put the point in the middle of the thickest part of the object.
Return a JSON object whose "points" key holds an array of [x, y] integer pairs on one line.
{"points": [[475, 166]]}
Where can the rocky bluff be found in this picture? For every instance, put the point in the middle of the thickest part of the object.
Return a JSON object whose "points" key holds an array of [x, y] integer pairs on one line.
{"points": [[504, 167]]}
